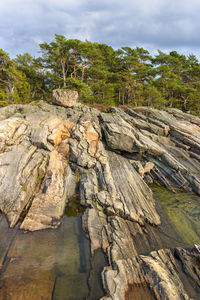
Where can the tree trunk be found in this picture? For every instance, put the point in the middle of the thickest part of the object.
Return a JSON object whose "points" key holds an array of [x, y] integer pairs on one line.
{"points": [[63, 71]]}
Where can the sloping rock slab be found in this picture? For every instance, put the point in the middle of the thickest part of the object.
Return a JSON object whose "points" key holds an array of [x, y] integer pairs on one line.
{"points": [[134, 194], [190, 259], [19, 171], [158, 271], [48, 206]]}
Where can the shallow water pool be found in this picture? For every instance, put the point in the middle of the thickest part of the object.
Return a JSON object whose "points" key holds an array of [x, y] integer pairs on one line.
{"points": [[183, 211]]}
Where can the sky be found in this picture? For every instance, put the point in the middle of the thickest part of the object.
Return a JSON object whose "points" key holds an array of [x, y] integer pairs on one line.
{"points": [[153, 24]]}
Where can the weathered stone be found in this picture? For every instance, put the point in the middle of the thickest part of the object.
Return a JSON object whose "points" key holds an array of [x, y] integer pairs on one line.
{"points": [[138, 167], [190, 259], [12, 131], [120, 135], [148, 179], [48, 205], [149, 146], [184, 116], [145, 123], [60, 133], [88, 188], [93, 222], [148, 167], [20, 169], [39, 136], [142, 170], [66, 98], [85, 145], [134, 195], [158, 271], [48, 153]]}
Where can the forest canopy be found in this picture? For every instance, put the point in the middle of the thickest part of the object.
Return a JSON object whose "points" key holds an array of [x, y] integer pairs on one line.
{"points": [[101, 74]]}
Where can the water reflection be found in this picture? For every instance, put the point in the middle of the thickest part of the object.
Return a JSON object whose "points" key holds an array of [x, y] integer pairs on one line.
{"points": [[183, 211], [73, 208], [139, 292], [47, 264]]}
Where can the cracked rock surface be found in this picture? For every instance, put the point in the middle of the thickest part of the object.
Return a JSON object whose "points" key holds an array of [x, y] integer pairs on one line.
{"points": [[48, 152]]}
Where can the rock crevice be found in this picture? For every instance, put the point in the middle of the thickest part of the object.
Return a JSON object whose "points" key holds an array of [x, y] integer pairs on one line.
{"points": [[47, 152]]}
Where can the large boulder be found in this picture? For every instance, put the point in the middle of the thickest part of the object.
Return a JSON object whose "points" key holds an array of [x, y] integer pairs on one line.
{"points": [[66, 98]]}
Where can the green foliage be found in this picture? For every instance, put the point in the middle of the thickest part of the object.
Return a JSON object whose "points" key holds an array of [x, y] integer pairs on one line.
{"points": [[14, 87], [36, 75], [79, 86], [102, 75]]}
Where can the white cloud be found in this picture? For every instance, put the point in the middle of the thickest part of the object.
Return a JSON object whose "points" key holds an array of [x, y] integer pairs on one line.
{"points": [[156, 24]]}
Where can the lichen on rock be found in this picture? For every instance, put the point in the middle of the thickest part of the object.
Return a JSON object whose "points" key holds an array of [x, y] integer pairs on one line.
{"points": [[65, 98], [50, 153]]}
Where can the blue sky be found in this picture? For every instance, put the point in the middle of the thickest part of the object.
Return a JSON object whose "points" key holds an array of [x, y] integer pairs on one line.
{"points": [[153, 24]]}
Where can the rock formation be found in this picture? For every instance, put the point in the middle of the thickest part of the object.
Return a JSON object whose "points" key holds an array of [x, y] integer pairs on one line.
{"points": [[47, 152], [66, 98]]}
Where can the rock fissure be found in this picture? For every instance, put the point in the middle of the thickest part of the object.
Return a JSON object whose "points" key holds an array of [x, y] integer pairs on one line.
{"points": [[55, 151]]}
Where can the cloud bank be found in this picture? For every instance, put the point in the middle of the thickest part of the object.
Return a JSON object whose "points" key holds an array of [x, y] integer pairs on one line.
{"points": [[155, 24]]}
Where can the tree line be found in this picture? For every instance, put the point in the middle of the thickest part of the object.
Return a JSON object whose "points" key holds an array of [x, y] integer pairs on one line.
{"points": [[101, 74]]}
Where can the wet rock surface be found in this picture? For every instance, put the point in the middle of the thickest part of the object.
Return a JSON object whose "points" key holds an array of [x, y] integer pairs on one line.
{"points": [[50, 153]]}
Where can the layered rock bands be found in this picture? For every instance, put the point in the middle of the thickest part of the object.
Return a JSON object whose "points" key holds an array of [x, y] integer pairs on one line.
{"points": [[49, 152]]}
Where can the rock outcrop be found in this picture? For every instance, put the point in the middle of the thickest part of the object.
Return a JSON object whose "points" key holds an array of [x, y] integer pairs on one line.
{"points": [[66, 98], [48, 153]]}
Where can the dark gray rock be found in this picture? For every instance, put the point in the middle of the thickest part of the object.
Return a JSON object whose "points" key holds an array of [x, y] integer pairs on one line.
{"points": [[190, 260]]}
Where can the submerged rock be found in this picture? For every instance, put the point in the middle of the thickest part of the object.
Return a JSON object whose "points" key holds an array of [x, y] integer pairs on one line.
{"points": [[49, 153]]}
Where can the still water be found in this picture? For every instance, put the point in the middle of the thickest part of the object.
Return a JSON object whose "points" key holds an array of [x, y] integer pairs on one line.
{"points": [[57, 264], [183, 211], [49, 264], [180, 227]]}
